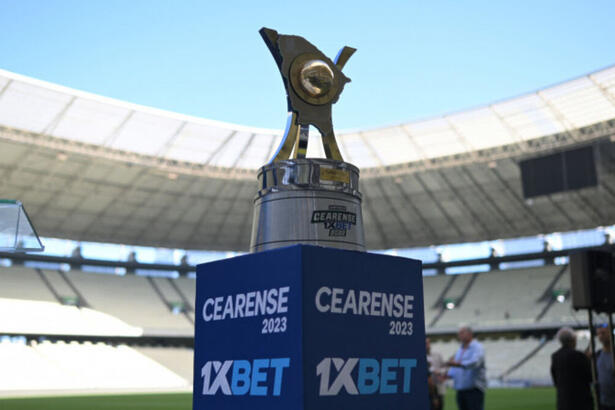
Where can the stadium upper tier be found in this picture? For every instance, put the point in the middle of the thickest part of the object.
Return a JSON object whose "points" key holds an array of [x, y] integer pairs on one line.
{"points": [[51, 110], [90, 168]]}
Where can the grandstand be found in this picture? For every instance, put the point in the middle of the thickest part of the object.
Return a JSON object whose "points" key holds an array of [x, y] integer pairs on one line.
{"points": [[79, 163], [507, 308]]}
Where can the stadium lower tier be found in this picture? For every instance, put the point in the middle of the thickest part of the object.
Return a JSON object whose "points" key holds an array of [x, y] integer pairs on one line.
{"points": [[43, 367], [37, 302], [82, 303], [98, 367]]}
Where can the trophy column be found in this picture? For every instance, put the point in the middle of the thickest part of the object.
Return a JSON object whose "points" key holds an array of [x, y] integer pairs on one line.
{"points": [[305, 200]]}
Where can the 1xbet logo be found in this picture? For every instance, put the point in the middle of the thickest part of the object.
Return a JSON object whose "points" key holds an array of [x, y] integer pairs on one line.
{"points": [[386, 376], [258, 378]]}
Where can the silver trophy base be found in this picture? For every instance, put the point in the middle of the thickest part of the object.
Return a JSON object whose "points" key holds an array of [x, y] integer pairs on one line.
{"points": [[308, 201]]}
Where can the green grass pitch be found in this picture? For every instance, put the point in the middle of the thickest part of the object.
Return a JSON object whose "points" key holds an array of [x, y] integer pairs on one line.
{"points": [[496, 399], [511, 399]]}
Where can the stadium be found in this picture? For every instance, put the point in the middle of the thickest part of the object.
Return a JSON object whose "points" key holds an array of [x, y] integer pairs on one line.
{"points": [[105, 315]]}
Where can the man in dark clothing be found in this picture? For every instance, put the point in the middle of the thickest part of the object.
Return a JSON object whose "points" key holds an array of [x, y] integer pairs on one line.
{"points": [[571, 372]]}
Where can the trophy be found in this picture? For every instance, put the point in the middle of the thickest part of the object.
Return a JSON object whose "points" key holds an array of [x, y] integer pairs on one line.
{"points": [[259, 334], [312, 201]]}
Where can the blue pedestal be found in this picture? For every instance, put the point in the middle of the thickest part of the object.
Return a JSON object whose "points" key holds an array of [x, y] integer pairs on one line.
{"points": [[312, 328]]}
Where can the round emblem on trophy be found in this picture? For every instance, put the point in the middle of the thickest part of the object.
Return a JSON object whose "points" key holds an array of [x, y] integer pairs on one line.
{"points": [[313, 79], [316, 78]]}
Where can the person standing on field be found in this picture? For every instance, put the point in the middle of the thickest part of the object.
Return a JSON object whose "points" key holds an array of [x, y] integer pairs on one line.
{"points": [[436, 367], [606, 373], [467, 369], [571, 373]]}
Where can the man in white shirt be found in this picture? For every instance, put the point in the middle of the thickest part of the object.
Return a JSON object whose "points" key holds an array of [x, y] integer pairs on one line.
{"points": [[467, 369]]}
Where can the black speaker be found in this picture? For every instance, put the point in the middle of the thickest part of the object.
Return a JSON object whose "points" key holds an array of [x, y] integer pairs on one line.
{"points": [[559, 172], [580, 282], [592, 281]]}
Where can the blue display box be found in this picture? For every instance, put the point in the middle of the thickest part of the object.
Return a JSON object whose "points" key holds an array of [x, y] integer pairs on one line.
{"points": [[312, 328]]}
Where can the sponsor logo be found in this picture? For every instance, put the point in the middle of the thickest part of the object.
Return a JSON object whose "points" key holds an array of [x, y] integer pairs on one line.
{"points": [[335, 219], [260, 377], [373, 376]]}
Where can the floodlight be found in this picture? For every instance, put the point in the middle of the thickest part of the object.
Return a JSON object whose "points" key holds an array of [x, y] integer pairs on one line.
{"points": [[560, 295], [450, 303], [17, 234]]}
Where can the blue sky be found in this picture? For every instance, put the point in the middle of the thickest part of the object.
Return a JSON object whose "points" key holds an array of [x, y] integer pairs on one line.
{"points": [[204, 58]]}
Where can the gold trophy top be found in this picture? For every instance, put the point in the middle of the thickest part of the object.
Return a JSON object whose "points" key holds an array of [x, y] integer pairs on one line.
{"points": [[313, 84]]}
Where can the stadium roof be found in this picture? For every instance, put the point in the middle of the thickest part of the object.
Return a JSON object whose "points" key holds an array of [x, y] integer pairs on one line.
{"points": [[93, 168], [56, 111]]}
